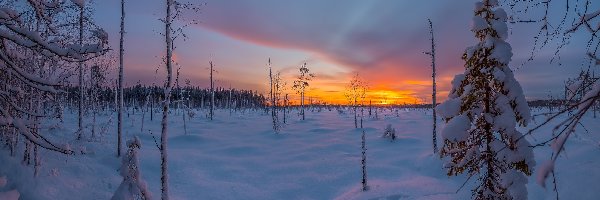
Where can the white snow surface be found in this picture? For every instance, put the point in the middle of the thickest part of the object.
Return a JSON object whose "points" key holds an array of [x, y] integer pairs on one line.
{"points": [[240, 157], [10, 195], [7, 195], [457, 128]]}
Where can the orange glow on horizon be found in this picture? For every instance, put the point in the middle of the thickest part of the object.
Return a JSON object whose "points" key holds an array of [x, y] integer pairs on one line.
{"points": [[375, 97], [380, 92]]}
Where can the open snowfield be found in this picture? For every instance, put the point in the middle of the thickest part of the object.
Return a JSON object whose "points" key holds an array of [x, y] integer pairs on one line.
{"points": [[238, 156]]}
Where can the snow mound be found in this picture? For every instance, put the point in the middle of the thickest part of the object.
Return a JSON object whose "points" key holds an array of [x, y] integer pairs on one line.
{"points": [[405, 188], [9, 195]]}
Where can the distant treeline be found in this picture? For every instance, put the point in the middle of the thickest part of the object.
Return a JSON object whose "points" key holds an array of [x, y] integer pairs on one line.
{"points": [[151, 96], [196, 97]]}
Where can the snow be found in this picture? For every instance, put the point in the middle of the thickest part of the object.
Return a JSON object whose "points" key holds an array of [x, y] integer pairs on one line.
{"points": [[499, 75], [478, 24], [7, 195], [456, 128], [501, 28], [10, 195], [516, 185], [240, 157], [3, 181], [448, 108], [457, 80], [133, 185], [502, 51], [101, 34], [500, 14]]}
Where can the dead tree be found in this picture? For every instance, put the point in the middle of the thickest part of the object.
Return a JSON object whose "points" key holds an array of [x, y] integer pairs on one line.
{"points": [[300, 85], [433, 93], [355, 90], [120, 89], [364, 162]]}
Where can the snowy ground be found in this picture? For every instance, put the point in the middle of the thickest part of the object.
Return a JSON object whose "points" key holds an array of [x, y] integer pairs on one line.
{"points": [[238, 156]]}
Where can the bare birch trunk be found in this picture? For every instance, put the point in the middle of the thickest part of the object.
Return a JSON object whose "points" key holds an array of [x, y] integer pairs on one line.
{"points": [[163, 136], [80, 112], [212, 92]]}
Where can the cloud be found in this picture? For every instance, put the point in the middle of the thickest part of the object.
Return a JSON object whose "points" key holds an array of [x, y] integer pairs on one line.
{"points": [[367, 37], [384, 41]]}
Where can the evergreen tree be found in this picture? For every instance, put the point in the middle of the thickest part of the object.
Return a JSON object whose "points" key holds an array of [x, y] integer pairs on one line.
{"points": [[484, 106]]}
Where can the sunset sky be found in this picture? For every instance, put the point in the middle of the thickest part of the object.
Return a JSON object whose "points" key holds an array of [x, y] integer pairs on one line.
{"points": [[382, 40]]}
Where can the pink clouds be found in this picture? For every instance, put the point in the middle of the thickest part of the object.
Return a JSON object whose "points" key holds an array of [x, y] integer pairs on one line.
{"points": [[382, 45]]}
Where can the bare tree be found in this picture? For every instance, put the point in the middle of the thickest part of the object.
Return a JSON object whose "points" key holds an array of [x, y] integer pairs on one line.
{"points": [[363, 162], [212, 92], [300, 85], [35, 47], [355, 90], [167, 101], [174, 11], [286, 103], [556, 29], [433, 93], [81, 87], [120, 89], [278, 88], [274, 83]]}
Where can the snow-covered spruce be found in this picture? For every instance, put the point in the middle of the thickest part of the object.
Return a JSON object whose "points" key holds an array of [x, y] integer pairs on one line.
{"points": [[132, 187], [484, 106]]}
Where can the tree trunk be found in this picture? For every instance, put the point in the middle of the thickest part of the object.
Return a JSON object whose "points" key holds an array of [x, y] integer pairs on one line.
{"points": [[272, 95], [433, 94], [120, 98], [364, 163], [80, 112], [212, 92], [302, 101], [163, 136]]}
